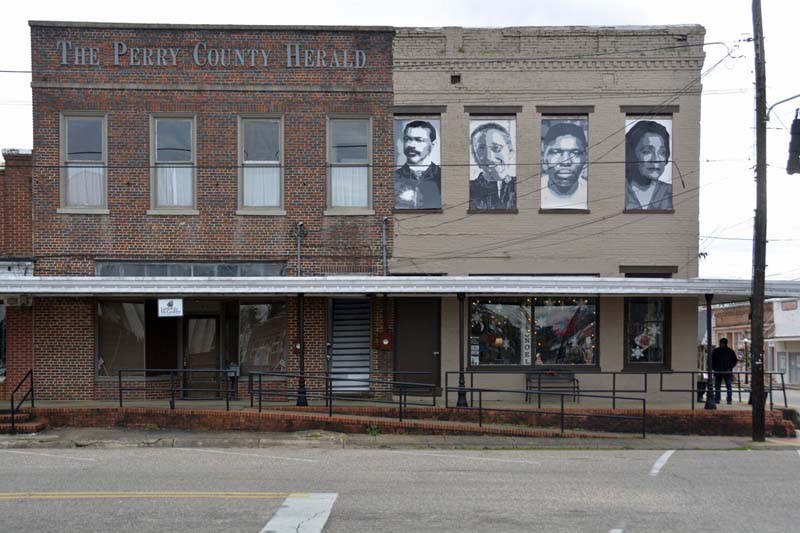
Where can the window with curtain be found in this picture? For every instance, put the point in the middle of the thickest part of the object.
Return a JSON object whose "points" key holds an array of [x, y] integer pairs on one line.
{"points": [[84, 162], [174, 162], [261, 163], [349, 161]]}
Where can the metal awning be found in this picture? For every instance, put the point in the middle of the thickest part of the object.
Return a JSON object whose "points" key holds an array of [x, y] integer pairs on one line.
{"points": [[722, 289]]}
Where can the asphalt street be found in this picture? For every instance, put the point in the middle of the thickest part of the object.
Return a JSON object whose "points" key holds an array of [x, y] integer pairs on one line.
{"points": [[242, 489]]}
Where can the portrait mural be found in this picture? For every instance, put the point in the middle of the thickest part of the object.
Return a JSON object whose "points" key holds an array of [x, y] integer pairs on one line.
{"points": [[648, 167], [493, 169], [418, 174], [565, 173]]}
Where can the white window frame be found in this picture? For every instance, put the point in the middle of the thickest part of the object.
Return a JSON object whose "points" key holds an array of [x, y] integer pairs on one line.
{"points": [[266, 210], [155, 209], [64, 118], [338, 210]]}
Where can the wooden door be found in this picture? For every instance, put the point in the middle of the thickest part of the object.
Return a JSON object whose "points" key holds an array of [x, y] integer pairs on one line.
{"points": [[417, 340]]}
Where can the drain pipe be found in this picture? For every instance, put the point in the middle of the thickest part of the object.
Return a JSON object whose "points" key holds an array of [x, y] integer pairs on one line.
{"points": [[299, 231], [385, 260]]}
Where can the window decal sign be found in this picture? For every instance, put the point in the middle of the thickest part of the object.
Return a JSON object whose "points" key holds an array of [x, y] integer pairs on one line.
{"points": [[170, 308]]}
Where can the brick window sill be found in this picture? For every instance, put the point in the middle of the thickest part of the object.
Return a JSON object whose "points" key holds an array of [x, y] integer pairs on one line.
{"points": [[250, 211], [348, 211], [167, 211], [82, 211]]}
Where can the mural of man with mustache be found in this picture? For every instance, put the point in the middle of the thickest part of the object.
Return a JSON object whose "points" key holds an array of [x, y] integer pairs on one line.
{"points": [[417, 184], [493, 151]]}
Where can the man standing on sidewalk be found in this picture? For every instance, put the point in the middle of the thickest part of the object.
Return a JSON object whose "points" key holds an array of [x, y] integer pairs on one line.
{"points": [[723, 361]]}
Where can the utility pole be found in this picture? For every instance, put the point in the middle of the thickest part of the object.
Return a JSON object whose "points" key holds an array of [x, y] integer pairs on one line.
{"points": [[759, 234]]}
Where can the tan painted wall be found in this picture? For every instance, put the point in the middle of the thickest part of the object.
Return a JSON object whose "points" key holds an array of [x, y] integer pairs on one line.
{"points": [[500, 67], [611, 338]]}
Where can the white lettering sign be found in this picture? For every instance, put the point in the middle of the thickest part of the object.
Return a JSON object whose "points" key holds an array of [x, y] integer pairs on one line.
{"points": [[203, 54]]}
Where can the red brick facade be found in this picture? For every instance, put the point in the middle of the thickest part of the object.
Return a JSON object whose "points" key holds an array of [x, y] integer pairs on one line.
{"points": [[15, 200], [57, 336]]}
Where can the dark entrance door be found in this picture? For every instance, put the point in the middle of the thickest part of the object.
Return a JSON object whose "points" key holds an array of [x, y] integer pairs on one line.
{"points": [[417, 340], [201, 352]]}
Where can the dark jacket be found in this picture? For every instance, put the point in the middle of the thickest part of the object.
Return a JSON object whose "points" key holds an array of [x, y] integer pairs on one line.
{"points": [[723, 359], [483, 194], [426, 188]]}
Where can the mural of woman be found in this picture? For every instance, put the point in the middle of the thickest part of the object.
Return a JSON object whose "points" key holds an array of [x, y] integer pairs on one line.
{"points": [[648, 174]]}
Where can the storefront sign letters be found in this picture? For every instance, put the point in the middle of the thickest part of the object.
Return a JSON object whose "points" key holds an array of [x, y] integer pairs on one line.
{"points": [[206, 55]]}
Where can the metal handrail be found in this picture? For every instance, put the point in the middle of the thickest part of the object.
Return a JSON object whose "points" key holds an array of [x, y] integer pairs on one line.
{"points": [[177, 385], [562, 412], [614, 390], [328, 395], [738, 389], [17, 407]]}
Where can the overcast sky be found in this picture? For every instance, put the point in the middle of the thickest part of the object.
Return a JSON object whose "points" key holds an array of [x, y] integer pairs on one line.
{"points": [[727, 196]]}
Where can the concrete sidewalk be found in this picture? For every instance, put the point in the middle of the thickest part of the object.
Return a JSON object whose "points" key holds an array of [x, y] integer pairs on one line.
{"points": [[156, 438]]}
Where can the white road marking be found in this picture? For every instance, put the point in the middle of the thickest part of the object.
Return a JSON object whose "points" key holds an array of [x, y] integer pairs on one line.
{"points": [[302, 513], [471, 457], [614, 531], [661, 462], [51, 455], [260, 456]]}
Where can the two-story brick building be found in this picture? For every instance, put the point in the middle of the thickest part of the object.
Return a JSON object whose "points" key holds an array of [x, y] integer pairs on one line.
{"points": [[410, 199]]}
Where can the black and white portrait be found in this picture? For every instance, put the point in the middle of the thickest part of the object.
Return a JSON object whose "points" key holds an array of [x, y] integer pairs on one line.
{"points": [[565, 173], [418, 176], [648, 168], [493, 158]]}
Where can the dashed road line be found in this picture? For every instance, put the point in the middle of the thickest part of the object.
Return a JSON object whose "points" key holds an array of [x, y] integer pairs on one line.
{"points": [[661, 462], [260, 456], [51, 455], [302, 513]]}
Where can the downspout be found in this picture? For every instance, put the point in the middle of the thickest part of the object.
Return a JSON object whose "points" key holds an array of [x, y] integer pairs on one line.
{"points": [[385, 251], [298, 233]]}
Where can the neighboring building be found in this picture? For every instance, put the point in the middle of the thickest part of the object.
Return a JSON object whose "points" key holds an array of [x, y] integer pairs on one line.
{"points": [[267, 177], [784, 342], [781, 334]]}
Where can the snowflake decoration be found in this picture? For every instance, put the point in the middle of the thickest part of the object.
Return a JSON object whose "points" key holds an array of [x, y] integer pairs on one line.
{"points": [[637, 354]]}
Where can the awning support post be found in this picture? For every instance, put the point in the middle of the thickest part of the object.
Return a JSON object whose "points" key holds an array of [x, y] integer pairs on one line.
{"points": [[710, 403], [462, 393], [301, 384]]}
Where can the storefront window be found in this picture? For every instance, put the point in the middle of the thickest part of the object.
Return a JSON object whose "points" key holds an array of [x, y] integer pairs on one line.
{"points": [[565, 331], [646, 331], [533, 331], [121, 338], [262, 337]]}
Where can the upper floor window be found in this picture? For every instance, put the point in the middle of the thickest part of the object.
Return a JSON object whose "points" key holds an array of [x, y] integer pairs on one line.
{"points": [[83, 178], [349, 156], [174, 162], [260, 184]]}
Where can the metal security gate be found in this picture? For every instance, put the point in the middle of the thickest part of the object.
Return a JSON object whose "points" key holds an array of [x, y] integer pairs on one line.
{"points": [[351, 330]]}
